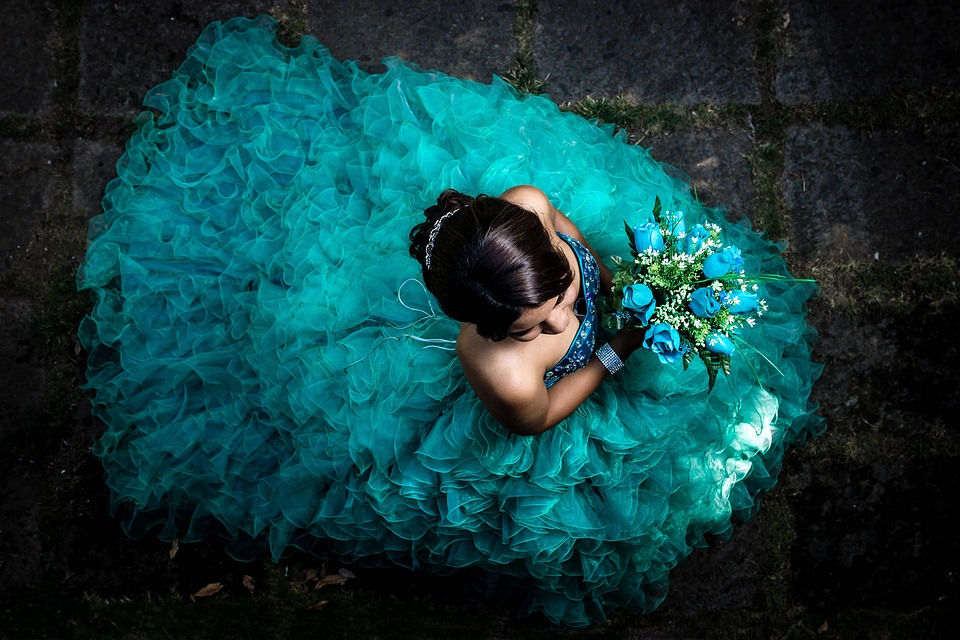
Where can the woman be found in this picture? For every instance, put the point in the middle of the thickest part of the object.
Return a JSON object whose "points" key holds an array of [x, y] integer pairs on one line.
{"points": [[522, 279], [270, 368]]}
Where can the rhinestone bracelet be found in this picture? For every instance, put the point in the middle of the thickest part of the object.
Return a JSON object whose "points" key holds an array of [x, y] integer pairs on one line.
{"points": [[609, 358]]}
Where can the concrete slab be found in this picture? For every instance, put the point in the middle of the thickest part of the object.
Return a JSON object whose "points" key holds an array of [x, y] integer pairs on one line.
{"points": [[29, 70], [26, 177], [94, 163], [715, 162], [720, 580], [126, 48], [887, 195], [857, 50], [873, 516], [877, 535], [653, 51], [22, 374], [471, 39]]}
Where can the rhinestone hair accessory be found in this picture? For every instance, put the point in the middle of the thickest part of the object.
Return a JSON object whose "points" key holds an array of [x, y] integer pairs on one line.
{"points": [[432, 238]]}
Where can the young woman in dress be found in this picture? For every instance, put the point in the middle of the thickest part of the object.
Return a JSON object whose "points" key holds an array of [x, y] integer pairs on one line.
{"points": [[506, 269], [264, 365]]}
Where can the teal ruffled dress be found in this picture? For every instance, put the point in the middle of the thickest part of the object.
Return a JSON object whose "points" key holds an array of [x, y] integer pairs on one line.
{"points": [[270, 368]]}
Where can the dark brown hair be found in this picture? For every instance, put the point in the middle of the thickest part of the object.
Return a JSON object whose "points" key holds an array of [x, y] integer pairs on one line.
{"points": [[490, 260]]}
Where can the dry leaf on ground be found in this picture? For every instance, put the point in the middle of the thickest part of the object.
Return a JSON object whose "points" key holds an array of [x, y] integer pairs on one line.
{"points": [[209, 590], [319, 605], [174, 547], [346, 573], [331, 580], [248, 583]]}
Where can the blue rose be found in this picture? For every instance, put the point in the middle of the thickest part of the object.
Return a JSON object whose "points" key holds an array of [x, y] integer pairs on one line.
{"points": [[695, 239], [648, 236], [638, 298], [673, 220], [720, 344], [740, 301], [664, 341], [704, 303], [722, 263]]}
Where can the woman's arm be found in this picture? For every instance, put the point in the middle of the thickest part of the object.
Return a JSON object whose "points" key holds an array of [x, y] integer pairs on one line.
{"points": [[517, 398], [572, 390]]}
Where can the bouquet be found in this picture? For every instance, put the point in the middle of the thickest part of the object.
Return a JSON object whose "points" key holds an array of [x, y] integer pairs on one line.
{"points": [[687, 290]]}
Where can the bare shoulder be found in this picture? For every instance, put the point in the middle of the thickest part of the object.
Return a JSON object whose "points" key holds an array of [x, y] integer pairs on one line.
{"points": [[532, 199], [509, 385], [486, 363]]}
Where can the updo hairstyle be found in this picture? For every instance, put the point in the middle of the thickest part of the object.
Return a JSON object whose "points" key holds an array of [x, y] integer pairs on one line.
{"points": [[489, 261]]}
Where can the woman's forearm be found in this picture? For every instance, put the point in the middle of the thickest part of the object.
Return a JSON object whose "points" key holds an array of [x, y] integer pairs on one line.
{"points": [[571, 391]]}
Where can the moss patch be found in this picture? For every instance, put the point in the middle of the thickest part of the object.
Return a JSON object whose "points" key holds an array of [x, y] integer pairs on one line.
{"points": [[522, 74], [294, 21], [865, 286]]}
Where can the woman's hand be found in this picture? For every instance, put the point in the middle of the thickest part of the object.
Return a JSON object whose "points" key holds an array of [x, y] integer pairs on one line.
{"points": [[626, 341]]}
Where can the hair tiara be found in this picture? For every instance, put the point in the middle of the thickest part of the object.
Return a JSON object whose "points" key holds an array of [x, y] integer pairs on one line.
{"points": [[432, 238]]}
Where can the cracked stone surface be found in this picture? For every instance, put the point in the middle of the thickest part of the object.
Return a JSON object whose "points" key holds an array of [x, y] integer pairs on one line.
{"points": [[26, 193], [715, 164], [868, 49], [472, 39], [685, 52], [879, 194]]}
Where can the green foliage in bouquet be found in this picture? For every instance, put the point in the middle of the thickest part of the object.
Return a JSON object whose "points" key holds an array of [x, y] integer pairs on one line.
{"points": [[686, 289]]}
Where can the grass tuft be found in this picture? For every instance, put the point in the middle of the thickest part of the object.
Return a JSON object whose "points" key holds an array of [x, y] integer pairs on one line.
{"points": [[766, 167], [294, 21], [522, 74], [926, 109], [645, 119], [868, 286]]}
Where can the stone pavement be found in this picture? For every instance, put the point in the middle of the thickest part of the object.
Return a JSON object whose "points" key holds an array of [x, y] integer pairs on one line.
{"points": [[832, 125]]}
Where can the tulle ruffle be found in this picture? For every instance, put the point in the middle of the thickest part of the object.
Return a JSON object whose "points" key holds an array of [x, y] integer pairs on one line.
{"points": [[270, 368]]}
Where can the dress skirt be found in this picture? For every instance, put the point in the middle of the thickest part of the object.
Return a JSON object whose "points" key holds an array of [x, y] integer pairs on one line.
{"points": [[270, 368]]}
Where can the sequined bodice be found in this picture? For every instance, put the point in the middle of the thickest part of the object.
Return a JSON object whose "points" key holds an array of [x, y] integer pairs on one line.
{"points": [[581, 348]]}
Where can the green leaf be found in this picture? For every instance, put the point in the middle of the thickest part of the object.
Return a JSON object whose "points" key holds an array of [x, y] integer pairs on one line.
{"points": [[629, 229], [688, 357], [656, 209], [712, 363], [711, 375], [725, 363]]}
